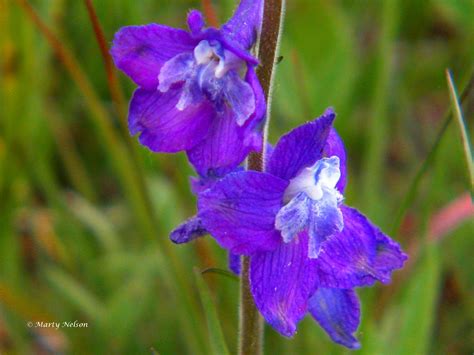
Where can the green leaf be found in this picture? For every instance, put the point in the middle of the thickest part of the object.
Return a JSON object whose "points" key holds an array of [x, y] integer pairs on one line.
{"points": [[214, 270], [418, 309], [462, 128], [75, 293], [216, 336], [96, 220]]}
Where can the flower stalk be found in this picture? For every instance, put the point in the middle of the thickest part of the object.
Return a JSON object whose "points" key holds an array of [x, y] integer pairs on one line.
{"points": [[251, 323]]}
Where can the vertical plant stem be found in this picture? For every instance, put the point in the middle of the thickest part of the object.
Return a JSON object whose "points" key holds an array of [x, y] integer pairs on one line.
{"points": [[251, 324]]}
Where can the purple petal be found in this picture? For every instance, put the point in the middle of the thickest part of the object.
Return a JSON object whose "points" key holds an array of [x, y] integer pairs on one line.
{"points": [[258, 115], [335, 146], [225, 146], [293, 217], [282, 282], [163, 127], [301, 147], [195, 21], [338, 313], [202, 183], [321, 218], [175, 70], [234, 263], [239, 211], [240, 96], [325, 220], [140, 51], [244, 26], [188, 230], [359, 255]]}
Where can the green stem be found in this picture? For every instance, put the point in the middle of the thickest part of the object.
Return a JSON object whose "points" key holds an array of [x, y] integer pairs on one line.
{"points": [[251, 324]]}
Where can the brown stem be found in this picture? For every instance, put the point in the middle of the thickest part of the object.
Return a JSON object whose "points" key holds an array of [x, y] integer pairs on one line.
{"points": [[251, 323]]}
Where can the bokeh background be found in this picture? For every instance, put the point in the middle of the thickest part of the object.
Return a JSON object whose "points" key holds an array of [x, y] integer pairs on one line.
{"points": [[85, 211]]}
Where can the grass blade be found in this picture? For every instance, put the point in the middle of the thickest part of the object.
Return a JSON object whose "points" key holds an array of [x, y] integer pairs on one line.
{"points": [[457, 111], [419, 306], [415, 184], [75, 293], [216, 336], [215, 270]]}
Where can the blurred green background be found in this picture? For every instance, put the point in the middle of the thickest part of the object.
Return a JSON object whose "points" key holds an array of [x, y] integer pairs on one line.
{"points": [[85, 211]]}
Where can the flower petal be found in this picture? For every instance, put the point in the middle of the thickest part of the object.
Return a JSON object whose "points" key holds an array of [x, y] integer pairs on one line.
{"points": [[140, 51], [335, 146], [258, 115], [359, 255], [195, 21], [338, 313], [293, 217], [188, 230], [225, 146], [282, 282], [163, 127], [234, 263], [175, 70], [320, 218], [240, 96], [301, 147], [239, 211], [244, 26], [325, 219]]}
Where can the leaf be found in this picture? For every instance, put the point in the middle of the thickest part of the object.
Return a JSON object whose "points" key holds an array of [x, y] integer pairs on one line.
{"points": [[418, 308], [457, 111], [216, 337], [214, 270], [95, 220], [75, 293]]}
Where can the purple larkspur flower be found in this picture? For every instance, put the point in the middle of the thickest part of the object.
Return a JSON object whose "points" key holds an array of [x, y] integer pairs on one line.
{"points": [[198, 90], [308, 251]]}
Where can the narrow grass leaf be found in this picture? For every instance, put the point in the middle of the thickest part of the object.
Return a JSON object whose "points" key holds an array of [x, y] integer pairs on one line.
{"points": [[75, 292], [215, 270], [457, 111], [216, 336], [419, 306], [427, 163], [96, 220]]}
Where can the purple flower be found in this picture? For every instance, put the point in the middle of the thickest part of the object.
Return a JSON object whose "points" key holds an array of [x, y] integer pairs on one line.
{"points": [[198, 90], [308, 250]]}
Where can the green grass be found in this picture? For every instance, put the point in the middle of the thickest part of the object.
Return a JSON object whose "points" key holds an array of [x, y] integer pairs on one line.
{"points": [[85, 216]]}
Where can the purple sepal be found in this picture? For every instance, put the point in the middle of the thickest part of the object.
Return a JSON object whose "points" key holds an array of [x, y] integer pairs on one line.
{"points": [[359, 255], [338, 313], [244, 26], [163, 127], [188, 230], [282, 282], [141, 51], [239, 211], [301, 147], [195, 22], [234, 263], [225, 146], [335, 146]]}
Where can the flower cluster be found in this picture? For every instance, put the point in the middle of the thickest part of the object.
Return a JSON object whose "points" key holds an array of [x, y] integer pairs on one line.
{"points": [[198, 92]]}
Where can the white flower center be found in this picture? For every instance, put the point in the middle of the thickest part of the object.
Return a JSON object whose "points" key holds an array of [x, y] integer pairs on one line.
{"points": [[219, 60], [324, 174]]}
